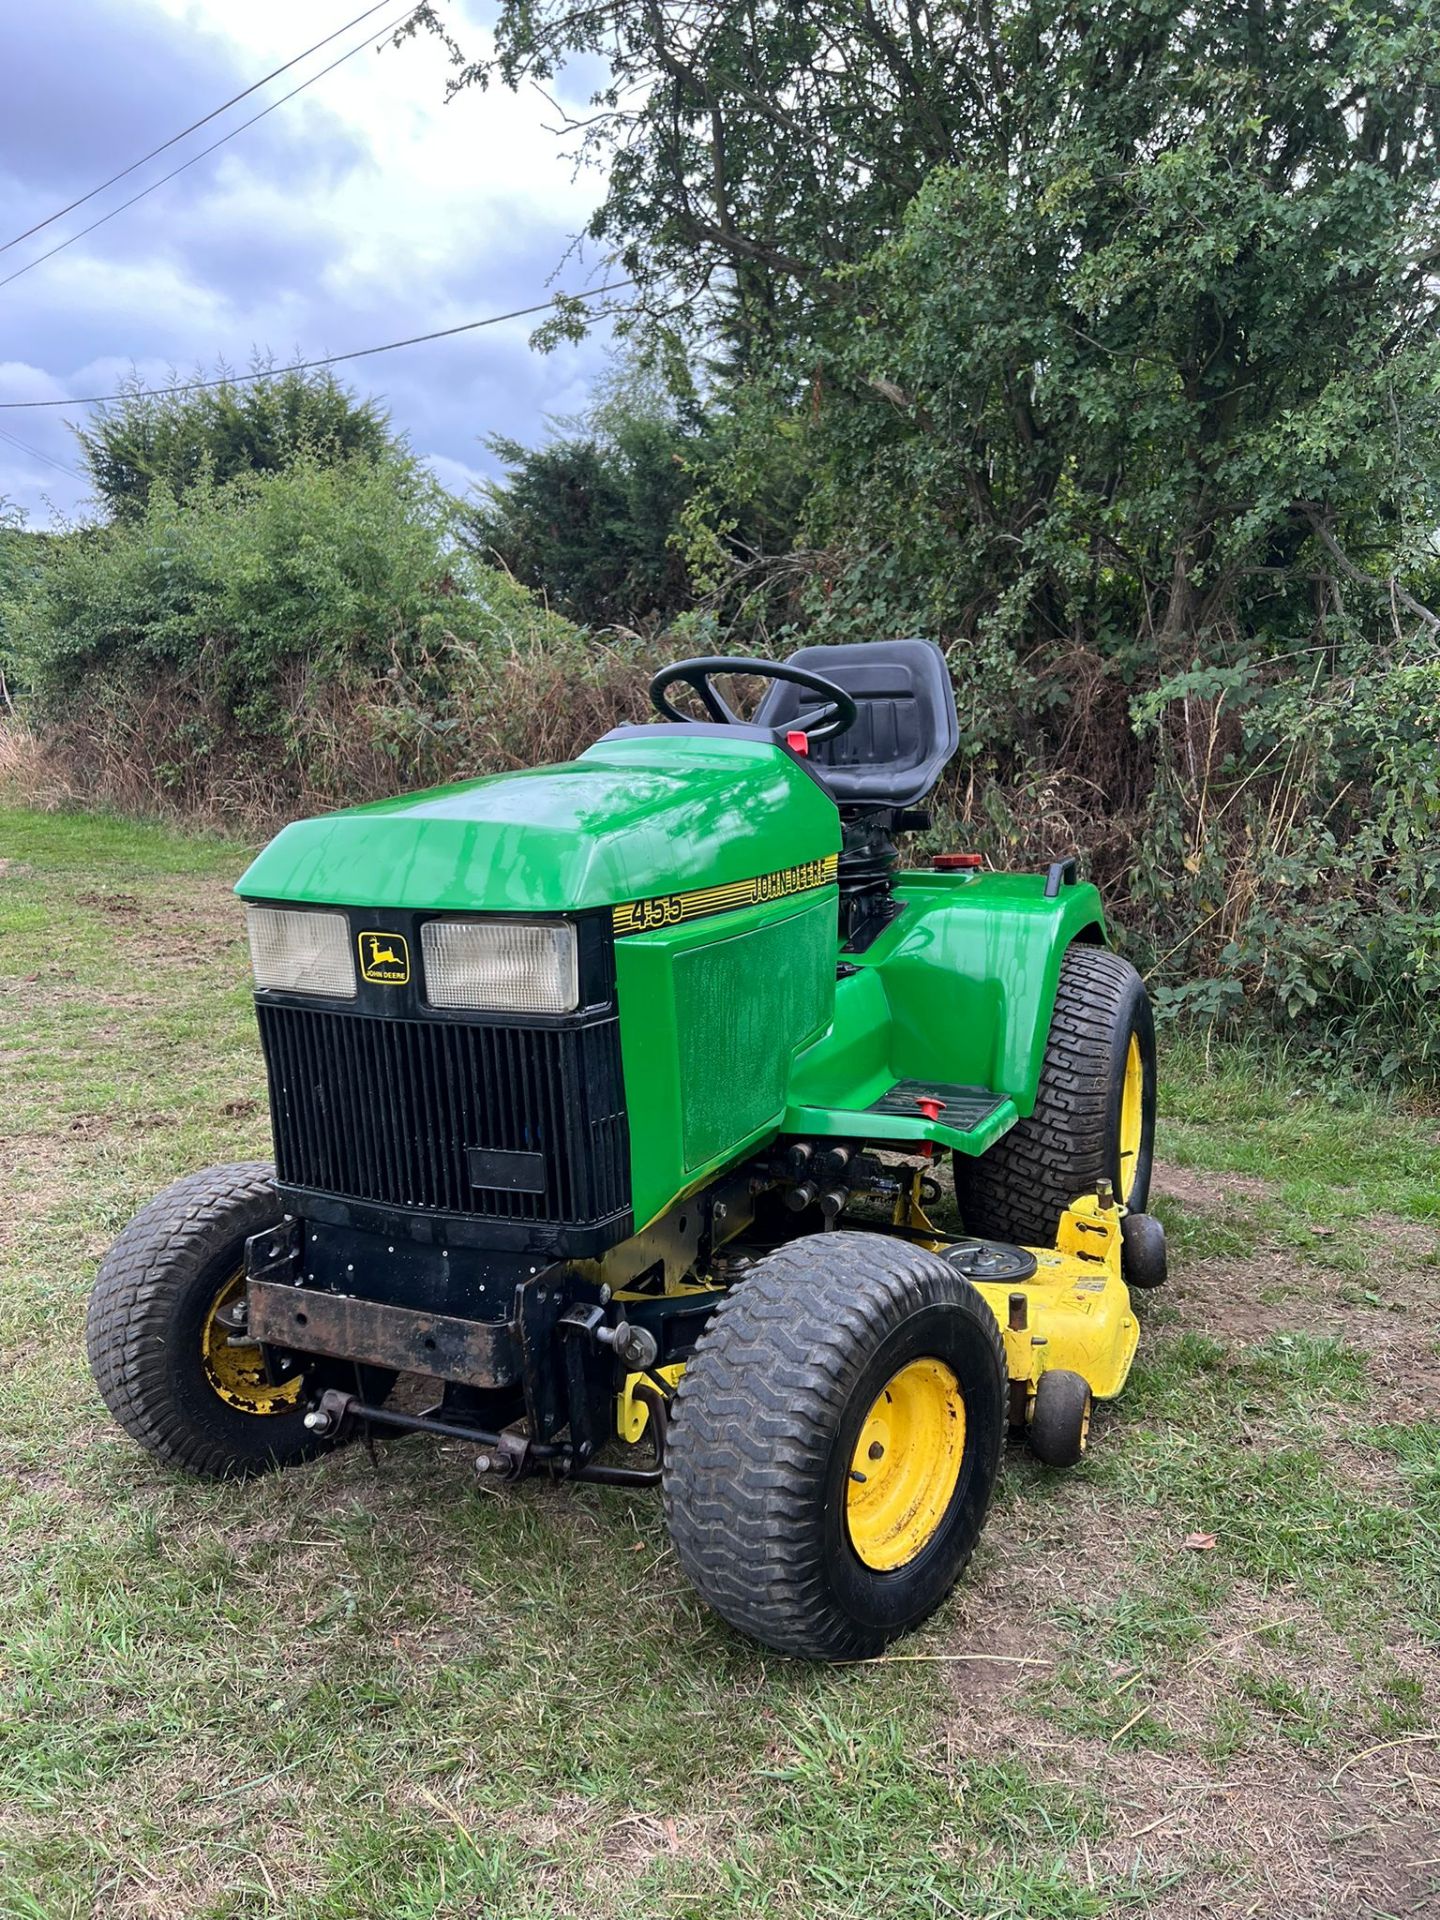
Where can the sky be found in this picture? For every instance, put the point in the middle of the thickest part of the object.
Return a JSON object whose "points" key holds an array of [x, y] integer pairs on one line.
{"points": [[364, 210]]}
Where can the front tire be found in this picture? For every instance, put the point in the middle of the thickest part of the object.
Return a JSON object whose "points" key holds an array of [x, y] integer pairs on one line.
{"points": [[1094, 1116], [834, 1444], [159, 1349]]}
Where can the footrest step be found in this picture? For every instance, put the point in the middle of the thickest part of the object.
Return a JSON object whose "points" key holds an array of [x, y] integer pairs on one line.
{"points": [[959, 1107]]}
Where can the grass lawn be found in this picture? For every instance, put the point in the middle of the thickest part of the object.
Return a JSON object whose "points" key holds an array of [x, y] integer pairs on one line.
{"points": [[1196, 1676]]}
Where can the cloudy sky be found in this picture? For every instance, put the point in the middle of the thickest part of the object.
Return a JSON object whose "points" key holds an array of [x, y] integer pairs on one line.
{"points": [[363, 210]]}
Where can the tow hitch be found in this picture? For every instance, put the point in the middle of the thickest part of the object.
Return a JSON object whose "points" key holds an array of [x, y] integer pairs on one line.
{"points": [[507, 1454]]}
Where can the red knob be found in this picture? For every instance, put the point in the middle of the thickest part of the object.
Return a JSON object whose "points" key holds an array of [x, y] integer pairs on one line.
{"points": [[957, 862], [930, 1106]]}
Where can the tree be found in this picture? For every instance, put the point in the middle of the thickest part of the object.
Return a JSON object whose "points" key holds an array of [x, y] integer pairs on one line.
{"points": [[750, 149], [1176, 370], [566, 521], [1071, 304], [590, 518], [23, 556], [217, 433]]}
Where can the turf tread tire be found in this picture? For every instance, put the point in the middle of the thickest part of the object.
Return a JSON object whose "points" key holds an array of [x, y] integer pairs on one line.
{"points": [[138, 1304], [1018, 1190], [769, 1387]]}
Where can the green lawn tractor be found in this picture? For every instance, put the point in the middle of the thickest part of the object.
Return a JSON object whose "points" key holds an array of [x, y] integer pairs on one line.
{"points": [[611, 1099]]}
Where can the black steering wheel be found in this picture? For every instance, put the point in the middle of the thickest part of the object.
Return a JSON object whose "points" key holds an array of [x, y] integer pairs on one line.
{"points": [[835, 715]]}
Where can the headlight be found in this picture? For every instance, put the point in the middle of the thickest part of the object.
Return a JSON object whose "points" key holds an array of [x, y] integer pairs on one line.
{"points": [[301, 951], [505, 966]]}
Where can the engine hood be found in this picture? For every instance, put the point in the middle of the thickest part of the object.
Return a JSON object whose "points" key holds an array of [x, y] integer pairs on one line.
{"points": [[632, 817]]}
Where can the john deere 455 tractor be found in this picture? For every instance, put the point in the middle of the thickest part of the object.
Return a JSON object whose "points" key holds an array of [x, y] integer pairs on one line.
{"points": [[613, 1098]]}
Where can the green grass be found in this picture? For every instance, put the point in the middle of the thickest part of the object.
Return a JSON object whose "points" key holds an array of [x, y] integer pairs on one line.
{"points": [[1334, 1155], [356, 1691], [108, 848]]}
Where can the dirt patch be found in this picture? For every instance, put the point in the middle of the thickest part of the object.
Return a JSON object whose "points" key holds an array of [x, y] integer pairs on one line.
{"points": [[118, 903], [1194, 1187], [1000, 1641], [606, 1856], [1240, 1302], [1275, 1839], [1272, 1832], [43, 1484], [1413, 1240], [37, 1165], [632, 1842]]}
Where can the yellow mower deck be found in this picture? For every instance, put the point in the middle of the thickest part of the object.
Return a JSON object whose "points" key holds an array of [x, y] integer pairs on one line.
{"points": [[1073, 1313]]}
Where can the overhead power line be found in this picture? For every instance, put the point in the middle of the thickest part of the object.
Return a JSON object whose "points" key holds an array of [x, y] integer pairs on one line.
{"points": [[36, 454], [306, 366], [60, 247], [194, 127]]}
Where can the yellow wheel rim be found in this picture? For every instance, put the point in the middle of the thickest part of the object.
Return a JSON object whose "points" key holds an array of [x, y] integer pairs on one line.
{"points": [[1132, 1118], [238, 1373], [906, 1464]]}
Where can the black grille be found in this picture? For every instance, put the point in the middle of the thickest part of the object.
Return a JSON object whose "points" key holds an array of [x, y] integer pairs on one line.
{"points": [[387, 1110]]}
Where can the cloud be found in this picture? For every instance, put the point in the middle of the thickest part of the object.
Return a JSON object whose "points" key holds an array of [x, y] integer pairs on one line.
{"points": [[67, 124], [363, 211], [454, 474]]}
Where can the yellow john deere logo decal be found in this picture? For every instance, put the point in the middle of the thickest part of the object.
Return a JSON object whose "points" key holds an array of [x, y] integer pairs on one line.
{"points": [[384, 959], [668, 909]]}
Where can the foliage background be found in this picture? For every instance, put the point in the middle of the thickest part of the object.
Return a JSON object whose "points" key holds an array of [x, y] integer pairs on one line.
{"points": [[222, 430], [1098, 344], [292, 640], [1101, 345]]}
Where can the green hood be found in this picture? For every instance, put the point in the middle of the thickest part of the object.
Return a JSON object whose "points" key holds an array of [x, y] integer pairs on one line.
{"points": [[633, 816]]}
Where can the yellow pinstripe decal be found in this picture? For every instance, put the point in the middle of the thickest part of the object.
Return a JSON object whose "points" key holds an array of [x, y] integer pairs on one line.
{"points": [[669, 909]]}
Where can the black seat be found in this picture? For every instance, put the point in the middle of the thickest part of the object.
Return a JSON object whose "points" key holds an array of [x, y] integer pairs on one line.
{"points": [[906, 730]]}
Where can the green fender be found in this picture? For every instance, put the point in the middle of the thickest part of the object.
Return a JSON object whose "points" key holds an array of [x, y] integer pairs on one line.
{"points": [[959, 990]]}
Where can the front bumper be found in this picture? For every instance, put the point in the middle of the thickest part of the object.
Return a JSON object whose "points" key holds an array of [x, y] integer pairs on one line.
{"points": [[479, 1353]]}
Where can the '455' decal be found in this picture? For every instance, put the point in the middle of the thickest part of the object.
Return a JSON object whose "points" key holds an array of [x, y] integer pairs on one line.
{"points": [[669, 909]]}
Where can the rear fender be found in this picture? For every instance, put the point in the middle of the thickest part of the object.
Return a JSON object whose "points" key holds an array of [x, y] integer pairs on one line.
{"points": [[958, 991], [971, 970]]}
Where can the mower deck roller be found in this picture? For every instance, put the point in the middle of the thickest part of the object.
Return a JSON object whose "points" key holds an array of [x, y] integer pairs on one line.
{"points": [[612, 1099]]}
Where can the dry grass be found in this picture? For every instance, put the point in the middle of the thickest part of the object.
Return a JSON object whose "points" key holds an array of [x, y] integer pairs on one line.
{"points": [[30, 775], [174, 750]]}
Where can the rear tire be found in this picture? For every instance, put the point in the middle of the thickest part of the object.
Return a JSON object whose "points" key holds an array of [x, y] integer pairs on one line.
{"points": [[164, 1367], [806, 1510], [1094, 1116]]}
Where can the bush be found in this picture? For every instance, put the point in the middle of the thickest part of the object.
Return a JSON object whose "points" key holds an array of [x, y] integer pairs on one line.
{"points": [[296, 640], [180, 440], [1296, 873], [588, 522], [21, 554]]}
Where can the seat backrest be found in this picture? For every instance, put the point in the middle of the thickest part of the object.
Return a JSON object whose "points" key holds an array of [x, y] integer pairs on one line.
{"points": [[906, 729]]}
